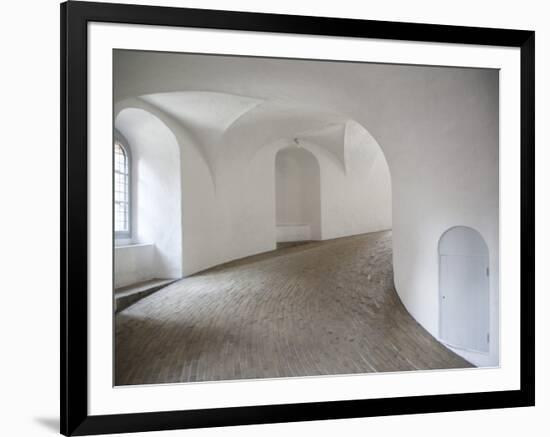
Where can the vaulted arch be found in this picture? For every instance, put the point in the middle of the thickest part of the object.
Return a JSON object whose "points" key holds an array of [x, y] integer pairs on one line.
{"points": [[156, 200], [297, 195]]}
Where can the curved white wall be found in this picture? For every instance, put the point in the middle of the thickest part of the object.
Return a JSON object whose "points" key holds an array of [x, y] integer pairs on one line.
{"points": [[357, 200]]}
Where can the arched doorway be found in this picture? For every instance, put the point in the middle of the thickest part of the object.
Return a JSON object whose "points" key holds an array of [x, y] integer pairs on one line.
{"points": [[464, 289], [297, 195]]}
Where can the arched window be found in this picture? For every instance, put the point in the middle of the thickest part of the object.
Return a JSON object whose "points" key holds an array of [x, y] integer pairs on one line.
{"points": [[122, 191]]}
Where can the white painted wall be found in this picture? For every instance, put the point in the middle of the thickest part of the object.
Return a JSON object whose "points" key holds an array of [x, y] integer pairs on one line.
{"points": [[134, 263], [358, 200], [445, 175], [156, 202], [297, 195], [290, 233]]}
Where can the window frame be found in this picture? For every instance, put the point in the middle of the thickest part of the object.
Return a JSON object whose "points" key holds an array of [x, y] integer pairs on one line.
{"points": [[76, 223], [119, 138]]}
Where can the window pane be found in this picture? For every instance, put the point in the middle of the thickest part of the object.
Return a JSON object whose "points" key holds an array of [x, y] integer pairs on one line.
{"points": [[121, 196]]}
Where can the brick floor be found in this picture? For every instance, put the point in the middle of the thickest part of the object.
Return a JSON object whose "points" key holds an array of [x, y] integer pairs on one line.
{"points": [[320, 308]]}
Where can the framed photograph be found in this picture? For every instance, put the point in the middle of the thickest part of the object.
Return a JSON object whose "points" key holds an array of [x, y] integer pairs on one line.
{"points": [[272, 218]]}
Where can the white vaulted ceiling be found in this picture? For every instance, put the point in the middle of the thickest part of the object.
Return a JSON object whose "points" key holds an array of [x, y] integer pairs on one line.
{"points": [[220, 122], [407, 109]]}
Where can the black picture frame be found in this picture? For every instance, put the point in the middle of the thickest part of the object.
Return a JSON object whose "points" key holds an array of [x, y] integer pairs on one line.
{"points": [[75, 16]]}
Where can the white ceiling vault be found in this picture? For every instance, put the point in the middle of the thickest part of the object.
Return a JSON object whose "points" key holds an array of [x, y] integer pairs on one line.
{"points": [[218, 97], [222, 124]]}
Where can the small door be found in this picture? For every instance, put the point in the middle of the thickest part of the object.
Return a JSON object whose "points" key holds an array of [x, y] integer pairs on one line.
{"points": [[464, 291], [465, 302]]}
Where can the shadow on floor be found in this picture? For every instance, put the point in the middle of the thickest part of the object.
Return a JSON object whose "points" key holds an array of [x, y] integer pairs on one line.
{"points": [[50, 423]]}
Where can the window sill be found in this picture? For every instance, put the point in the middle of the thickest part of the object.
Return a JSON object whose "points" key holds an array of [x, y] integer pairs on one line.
{"points": [[131, 245]]}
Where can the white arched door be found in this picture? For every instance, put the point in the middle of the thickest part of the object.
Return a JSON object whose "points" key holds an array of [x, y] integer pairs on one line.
{"points": [[464, 289]]}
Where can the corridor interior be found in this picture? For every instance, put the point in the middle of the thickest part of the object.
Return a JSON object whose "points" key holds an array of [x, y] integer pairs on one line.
{"points": [[279, 218]]}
